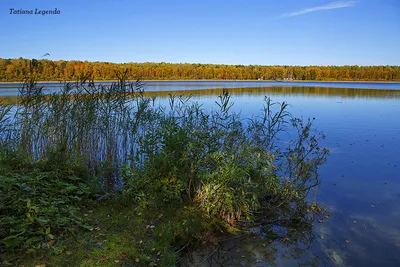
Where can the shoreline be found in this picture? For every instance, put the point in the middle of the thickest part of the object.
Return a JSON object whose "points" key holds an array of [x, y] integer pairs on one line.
{"points": [[239, 81]]}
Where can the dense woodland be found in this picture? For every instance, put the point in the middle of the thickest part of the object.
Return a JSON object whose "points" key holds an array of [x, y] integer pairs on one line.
{"points": [[61, 70]]}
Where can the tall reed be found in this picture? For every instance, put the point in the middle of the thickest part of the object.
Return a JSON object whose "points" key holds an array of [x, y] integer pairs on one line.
{"points": [[182, 151]]}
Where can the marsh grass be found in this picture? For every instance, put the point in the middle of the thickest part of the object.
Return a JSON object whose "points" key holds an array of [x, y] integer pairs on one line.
{"points": [[115, 140]]}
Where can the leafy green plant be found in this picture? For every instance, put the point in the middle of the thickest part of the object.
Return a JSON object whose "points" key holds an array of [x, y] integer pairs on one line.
{"points": [[36, 205], [229, 168]]}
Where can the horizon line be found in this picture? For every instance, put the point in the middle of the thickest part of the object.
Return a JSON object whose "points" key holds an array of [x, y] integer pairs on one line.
{"points": [[197, 63]]}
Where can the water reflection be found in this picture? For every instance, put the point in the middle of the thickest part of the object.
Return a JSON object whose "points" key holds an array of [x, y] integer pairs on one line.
{"points": [[261, 247], [262, 91], [304, 91], [347, 240]]}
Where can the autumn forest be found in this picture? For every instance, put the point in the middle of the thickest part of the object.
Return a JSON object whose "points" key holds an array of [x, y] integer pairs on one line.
{"points": [[47, 70]]}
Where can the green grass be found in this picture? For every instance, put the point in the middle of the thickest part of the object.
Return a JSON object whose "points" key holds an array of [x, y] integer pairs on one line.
{"points": [[124, 236]]}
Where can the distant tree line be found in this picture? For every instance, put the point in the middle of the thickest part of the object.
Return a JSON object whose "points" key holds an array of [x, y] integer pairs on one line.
{"points": [[61, 70]]}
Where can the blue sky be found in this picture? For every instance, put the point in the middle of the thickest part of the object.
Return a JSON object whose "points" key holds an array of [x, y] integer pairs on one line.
{"points": [[284, 32]]}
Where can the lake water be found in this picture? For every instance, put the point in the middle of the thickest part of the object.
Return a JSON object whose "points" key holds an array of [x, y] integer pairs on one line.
{"points": [[11, 89], [360, 181]]}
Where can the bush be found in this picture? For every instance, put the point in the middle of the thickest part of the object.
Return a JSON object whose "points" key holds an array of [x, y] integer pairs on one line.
{"points": [[36, 205], [229, 168]]}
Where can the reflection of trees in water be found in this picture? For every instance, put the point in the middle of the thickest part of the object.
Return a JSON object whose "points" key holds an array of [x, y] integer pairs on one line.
{"points": [[287, 90], [291, 90]]}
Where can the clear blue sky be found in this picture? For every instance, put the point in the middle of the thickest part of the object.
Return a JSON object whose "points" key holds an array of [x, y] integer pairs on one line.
{"points": [[284, 32]]}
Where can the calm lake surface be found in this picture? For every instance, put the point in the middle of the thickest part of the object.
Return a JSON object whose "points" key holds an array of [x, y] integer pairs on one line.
{"points": [[11, 89], [360, 181]]}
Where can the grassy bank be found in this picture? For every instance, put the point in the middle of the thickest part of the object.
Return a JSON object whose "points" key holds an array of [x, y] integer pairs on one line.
{"points": [[102, 175], [122, 235]]}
